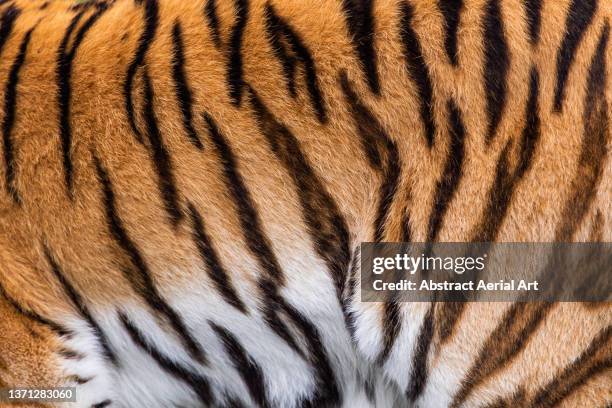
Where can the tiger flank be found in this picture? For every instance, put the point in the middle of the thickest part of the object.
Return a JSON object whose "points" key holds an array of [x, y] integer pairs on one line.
{"points": [[185, 186]]}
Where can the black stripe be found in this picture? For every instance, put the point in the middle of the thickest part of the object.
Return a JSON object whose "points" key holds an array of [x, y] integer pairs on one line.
{"points": [[10, 105], [351, 292], [580, 15], [32, 315], [508, 339], [7, 21], [275, 34], [235, 69], [198, 383], [148, 34], [327, 392], [533, 8], [378, 146], [406, 226], [418, 71], [78, 301], [392, 325], [496, 66], [418, 377], [65, 59], [160, 157], [102, 404], [183, 93], [216, 271], [257, 242], [210, 12], [452, 173], [325, 224], [139, 275], [279, 27], [451, 10], [360, 22], [250, 372]]}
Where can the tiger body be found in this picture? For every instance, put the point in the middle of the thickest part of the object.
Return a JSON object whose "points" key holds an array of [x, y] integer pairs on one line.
{"points": [[185, 184]]}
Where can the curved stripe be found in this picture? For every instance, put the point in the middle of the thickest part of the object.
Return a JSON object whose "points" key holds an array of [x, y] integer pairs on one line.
{"points": [[359, 17], [275, 35], [235, 69], [496, 66], [183, 92], [198, 383], [139, 275], [7, 21], [418, 376], [579, 17], [451, 10], [210, 258], [65, 59], [210, 12], [10, 105], [78, 301], [418, 71], [148, 34]]}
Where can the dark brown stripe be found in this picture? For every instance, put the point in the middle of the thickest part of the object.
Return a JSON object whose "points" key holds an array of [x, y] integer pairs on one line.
{"points": [[151, 18], [139, 275], [210, 12], [102, 404], [506, 341], [257, 241], [183, 92], [235, 69], [452, 173], [80, 305], [418, 377], [65, 60], [274, 31], [70, 354], [10, 106], [250, 372], [323, 220], [392, 325], [7, 21], [277, 28], [210, 258], [533, 9], [451, 10], [32, 315], [593, 151], [360, 22], [497, 66], [198, 383], [418, 71], [596, 359], [160, 157], [579, 17]]}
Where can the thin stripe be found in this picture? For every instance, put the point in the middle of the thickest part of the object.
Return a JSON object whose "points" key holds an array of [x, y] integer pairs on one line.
{"points": [[418, 377], [198, 383], [65, 59], [183, 92], [139, 275], [210, 258], [250, 372], [210, 12], [151, 19], [594, 360], [591, 161], [506, 341], [34, 316], [418, 71], [326, 226], [392, 325], [78, 301], [235, 69], [496, 66], [160, 157], [303, 55], [102, 404], [257, 241], [451, 10], [275, 34], [360, 22], [447, 186], [579, 17], [533, 9], [10, 105]]}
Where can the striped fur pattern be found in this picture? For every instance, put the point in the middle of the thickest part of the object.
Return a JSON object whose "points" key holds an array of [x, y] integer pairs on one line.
{"points": [[184, 186]]}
